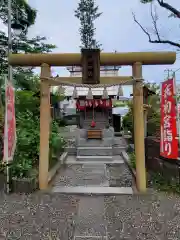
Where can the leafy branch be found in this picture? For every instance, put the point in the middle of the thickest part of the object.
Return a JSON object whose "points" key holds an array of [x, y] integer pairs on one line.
{"points": [[21, 11]]}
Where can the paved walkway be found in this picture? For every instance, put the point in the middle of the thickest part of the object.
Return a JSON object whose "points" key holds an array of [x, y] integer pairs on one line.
{"points": [[112, 177]]}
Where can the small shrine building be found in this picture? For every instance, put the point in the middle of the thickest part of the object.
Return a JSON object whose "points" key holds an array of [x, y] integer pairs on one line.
{"points": [[94, 106]]}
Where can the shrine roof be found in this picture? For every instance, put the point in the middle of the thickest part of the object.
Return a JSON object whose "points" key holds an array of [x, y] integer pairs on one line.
{"points": [[78, 69], [112, 91]]}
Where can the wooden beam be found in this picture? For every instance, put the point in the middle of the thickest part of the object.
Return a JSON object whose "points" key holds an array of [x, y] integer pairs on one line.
{"points": [[111, 59], [55, 81]]}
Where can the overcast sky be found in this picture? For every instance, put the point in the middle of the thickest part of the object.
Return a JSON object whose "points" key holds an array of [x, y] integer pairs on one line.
{"points": [[116, 30]]}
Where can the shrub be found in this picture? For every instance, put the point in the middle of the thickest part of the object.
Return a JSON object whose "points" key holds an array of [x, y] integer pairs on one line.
{"points": [[132, 160], [28, 141], [28, 134], [56, 141], [21, 168], [161, 183], [28, 128]]}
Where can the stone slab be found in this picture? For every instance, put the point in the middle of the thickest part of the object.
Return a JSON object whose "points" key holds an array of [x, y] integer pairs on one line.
{"points": [[90, 238], [118, 150], [94, 151], [95, 175], [113, 162], [105, 142], [71, 150], [90, 218], [94, 190], [94, 158], [82, 175]]}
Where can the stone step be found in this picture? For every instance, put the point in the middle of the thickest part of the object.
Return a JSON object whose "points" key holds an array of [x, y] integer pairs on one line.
{"points": [[97, 123], [94, 151], [105, 142], [94, 190], [118, 150], [94, 158], [113, 162]]}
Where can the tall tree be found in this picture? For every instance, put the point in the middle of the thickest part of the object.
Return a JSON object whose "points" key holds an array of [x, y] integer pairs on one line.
{"points": [[157, 36], [87, 12], [22, 13]]}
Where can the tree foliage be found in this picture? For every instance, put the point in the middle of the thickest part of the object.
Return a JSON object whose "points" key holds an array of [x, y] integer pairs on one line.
{"points": [[21, 12], [27, 84], [87, 12], [21, 44], [157, 36], [153, 118]]}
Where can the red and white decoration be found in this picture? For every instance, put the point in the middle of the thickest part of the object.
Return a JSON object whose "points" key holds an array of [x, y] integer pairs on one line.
{"points": [[103, 103], [169, 141], [10, 125]]}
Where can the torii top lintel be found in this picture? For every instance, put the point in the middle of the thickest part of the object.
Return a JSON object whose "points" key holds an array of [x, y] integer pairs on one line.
{"points": [[113, 59]]}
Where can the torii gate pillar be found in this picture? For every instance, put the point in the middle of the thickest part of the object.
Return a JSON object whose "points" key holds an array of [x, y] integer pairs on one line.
{"points": [[139, 128], [45, 119]]}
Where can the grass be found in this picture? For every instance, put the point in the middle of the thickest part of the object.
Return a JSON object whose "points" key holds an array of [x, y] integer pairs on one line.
{"points": [[157, 179], [132, 158], [161, 183]]}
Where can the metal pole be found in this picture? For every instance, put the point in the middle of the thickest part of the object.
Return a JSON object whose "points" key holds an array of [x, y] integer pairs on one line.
{"points": [[9, 40], [10, 80]]}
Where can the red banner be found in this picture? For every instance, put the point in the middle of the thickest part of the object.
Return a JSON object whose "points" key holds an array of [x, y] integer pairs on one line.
{"points": [[103, 103], [169, 141], [10, 124]]}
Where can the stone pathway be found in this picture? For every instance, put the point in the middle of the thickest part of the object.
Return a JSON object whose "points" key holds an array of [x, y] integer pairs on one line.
{"points": [[82, 175], [92, 178], [90, 221], [152, 216], [112, 177]]}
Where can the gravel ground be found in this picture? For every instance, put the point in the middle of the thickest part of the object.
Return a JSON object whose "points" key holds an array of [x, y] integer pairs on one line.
{"points": [[144, 217], [47, 216], [37, 216], [50, 216], [68, 176], [120, 176], [80, 175]]}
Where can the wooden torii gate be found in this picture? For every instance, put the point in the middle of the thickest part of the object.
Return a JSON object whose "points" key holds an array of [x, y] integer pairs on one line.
{"points": [[135, 59]]}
